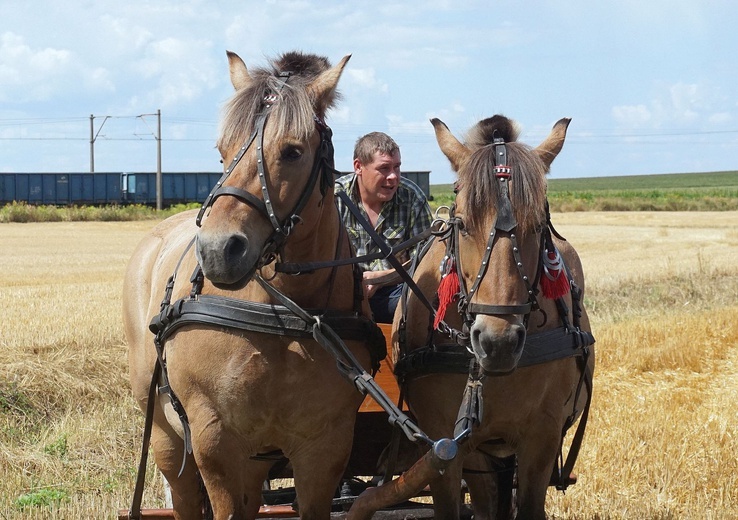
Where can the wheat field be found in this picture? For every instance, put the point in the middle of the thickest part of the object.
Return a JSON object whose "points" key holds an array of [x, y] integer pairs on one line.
{"points": [[662, 292]]}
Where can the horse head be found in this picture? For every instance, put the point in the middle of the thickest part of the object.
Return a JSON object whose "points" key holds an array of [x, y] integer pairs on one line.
{"points": [[496, 245], [278, 160]]}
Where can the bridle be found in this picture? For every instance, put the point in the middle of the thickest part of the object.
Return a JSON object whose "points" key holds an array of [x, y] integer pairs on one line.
{"points": [[505, 225], [322, 164]]}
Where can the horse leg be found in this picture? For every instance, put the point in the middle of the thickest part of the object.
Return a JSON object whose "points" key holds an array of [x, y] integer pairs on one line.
{"points": [[536, 457], [254, 475], [491, 490], [318, 470], [221, 461], [187, 497], [446, 491]]}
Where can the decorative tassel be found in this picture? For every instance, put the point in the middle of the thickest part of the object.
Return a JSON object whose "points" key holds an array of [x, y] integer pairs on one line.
{"points": [[554, 282], [448, 292]]}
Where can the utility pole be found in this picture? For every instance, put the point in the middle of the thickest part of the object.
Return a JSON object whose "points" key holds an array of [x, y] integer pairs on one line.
{"points": [[157, 136], [92, 143], [93, 138], [159, 203]]}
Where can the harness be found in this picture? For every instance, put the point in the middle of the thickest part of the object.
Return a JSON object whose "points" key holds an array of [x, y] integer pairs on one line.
{"points": [[330, 328], [327, 327], [505, 225], [323, 164], [567, 340]]}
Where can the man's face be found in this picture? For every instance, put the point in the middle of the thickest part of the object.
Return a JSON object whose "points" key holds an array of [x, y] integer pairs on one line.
{"points": [[380, 178]]}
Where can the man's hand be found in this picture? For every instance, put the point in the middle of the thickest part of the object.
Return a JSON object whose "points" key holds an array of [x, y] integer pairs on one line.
{"points": [[373, 280]]}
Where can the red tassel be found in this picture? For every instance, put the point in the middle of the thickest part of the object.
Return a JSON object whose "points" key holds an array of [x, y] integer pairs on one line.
{"points": [[448, 291], [554, 283]]}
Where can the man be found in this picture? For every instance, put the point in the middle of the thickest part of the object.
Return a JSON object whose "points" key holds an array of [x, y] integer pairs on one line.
{"points": [[395, 207]]}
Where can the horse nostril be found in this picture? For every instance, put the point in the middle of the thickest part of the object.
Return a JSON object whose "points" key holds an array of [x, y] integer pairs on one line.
{"points": [[475, 334], [521, 337], [235, 248]]}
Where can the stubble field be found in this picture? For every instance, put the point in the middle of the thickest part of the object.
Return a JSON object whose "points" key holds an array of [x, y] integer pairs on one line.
{"points": [[662, 292]]}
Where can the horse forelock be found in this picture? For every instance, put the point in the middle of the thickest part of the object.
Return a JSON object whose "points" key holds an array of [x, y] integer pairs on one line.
{"points": [[482, 189], [291, 114], [484, 132]]}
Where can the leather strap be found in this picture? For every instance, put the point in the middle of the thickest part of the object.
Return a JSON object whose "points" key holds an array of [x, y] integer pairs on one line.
{"points": [[558, 343], [221, 311], [309, 267], [497, 310], [386, 251], [242, 195], [134, 513]]}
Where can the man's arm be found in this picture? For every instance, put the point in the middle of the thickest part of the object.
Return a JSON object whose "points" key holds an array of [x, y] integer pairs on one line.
{"points": [[373, 280]]}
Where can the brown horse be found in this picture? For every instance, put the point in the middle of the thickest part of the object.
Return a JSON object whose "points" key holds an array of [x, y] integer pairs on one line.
{"points": [[497, 243], [501, 225], [246, 392]]}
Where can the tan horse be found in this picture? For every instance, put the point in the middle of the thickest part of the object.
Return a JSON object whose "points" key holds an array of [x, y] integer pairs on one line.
{"points": [[498, 234], [246, 392], [524, 410]]}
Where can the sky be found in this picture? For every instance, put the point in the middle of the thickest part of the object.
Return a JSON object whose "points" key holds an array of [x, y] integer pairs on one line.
{"points": [[651, 85]]}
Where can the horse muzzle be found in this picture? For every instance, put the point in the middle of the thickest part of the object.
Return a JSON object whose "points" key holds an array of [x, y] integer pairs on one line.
{"points": [[497, 350], [226, 259]]}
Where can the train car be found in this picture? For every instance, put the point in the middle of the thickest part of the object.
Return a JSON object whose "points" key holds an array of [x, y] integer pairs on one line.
{"points": [[177, 187], [67, 189], [422, 179], [60, 188]]}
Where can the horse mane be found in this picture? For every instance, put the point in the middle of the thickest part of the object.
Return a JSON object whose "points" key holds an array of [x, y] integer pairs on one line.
{"points": [[477, 176], [292, 113]]}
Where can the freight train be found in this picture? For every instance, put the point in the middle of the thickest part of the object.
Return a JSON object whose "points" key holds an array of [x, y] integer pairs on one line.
{"points": [[88, 189], [66, 189]]}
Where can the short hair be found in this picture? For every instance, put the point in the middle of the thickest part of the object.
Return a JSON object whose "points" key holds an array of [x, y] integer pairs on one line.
{"points": [[366, 146]]}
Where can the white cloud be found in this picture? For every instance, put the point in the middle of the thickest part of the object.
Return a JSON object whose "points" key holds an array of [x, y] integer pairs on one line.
{"points": [[126, 35], [36, 72], [100, 79], [179, 70], [720, 118], [398, 125], [632, 115], [366, 79], [32, 75], [680, 105]]}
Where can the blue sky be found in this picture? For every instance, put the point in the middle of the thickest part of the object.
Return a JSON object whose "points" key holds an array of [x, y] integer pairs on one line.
{"points": [[651, 86]]}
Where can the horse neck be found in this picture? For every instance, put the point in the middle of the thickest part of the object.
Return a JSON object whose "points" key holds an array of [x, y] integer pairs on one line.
{"points": [[316, 243]]}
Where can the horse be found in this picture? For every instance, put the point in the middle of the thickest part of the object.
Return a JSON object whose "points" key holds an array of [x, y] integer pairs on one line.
{"points": [[239, 379], [504, 371], [500, 248]]}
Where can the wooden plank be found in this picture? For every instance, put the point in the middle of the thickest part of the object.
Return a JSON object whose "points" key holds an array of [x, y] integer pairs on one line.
{"points": [[168, 514], [288, 512], [385, 378]]}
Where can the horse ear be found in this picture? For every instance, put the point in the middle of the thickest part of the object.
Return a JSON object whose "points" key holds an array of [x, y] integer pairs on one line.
{"points": [[451, 147], [552, 145], [239, 73], [323, 88]]}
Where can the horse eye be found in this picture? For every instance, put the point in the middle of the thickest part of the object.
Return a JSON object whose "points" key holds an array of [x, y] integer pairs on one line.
{"points": [[462, 228], [291, 153]]}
